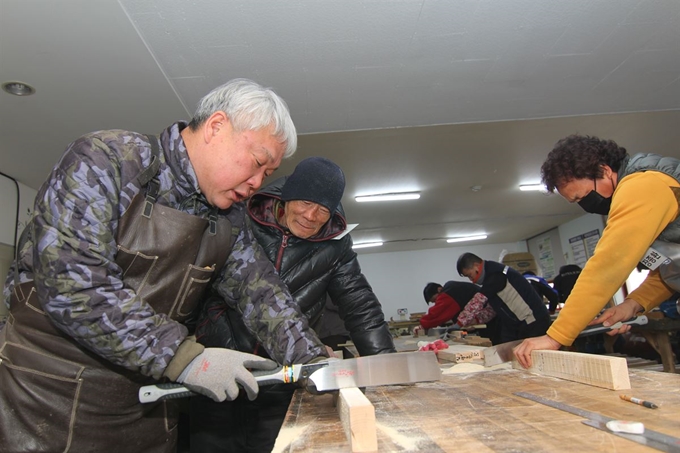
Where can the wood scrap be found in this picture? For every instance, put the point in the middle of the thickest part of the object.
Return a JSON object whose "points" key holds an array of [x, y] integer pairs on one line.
{"points": [[459, 353], [598, 370], [358, 420], [477, 341]]}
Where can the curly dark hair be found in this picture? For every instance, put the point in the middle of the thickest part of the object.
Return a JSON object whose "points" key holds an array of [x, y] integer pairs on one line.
{"points": [[580, 157]]}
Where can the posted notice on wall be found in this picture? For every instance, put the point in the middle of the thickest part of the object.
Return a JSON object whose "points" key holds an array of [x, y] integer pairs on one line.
{"points": [[583, 246], [545, 258]]}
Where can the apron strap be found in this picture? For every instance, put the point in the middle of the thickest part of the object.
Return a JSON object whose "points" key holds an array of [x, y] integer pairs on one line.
{"points": [[148, 177], [149, 172]]}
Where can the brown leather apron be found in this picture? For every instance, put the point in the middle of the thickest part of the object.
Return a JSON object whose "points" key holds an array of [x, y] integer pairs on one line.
{"points": [[55, 395]]}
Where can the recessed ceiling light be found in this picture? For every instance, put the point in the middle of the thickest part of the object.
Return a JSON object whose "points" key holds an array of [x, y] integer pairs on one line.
{"points": [[466, 238], [529, 187], [367, 244], [476, 188], [18, 88], [389, 197]]}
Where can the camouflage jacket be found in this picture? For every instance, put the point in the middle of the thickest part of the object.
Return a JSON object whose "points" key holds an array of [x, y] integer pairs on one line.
{"points": [[69, 252]]}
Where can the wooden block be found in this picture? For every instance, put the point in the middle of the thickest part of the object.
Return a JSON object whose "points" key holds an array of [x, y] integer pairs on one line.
{"points": [[459, 353], [598, 370], [477, 341], [358, 420]]}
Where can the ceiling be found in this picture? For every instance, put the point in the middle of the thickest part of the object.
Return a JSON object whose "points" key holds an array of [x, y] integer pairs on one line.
{"points": [[435, 96]]}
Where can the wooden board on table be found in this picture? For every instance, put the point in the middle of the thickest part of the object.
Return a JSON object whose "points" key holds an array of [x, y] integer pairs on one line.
{"points": [[477, 341], [459, 353], [358, 420], [487, 417], [598, 370], [416, 316]]}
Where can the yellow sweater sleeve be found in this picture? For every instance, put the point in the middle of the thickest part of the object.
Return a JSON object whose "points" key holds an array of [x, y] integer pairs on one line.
{"points": [[651, 292], [642, 206]]}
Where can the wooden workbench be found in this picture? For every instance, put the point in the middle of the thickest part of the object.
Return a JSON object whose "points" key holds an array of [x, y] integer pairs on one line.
{"points": [[478, 413], [405, 343], [657, 332]]}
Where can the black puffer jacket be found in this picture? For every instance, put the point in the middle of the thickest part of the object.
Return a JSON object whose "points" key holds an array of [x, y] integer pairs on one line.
{"points": [[310, 268]]}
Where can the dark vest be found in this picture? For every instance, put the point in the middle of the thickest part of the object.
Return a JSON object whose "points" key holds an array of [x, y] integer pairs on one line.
{"points": [[664, 253]]}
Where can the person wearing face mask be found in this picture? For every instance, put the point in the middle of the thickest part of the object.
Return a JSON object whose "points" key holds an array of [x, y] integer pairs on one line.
{"points": [[299, 222], [640, 194], [520, 311]]}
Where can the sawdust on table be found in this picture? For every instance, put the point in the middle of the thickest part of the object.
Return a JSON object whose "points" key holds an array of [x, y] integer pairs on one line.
{"points": [[408, 443], [287, 436]]}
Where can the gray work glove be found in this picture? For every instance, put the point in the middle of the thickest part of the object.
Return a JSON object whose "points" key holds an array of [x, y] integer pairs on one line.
{"points": [[217, 372]]}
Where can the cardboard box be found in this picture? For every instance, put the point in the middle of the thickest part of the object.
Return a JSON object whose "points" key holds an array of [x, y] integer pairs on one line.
{"points": [[521, 262]]}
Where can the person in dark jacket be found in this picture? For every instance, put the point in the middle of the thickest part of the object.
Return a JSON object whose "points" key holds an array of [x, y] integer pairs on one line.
{"points": [[331, 328], [565, 280], [299, 222], [543, 289], [520, 311]]}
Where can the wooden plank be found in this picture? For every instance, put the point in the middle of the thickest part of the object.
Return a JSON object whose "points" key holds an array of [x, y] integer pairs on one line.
{"points": [[358, 420], [459, 353], [598, 370], [477, 341]]}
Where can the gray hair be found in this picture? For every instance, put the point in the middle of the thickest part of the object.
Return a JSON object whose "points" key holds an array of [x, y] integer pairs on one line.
{"points": [[249, 106]]}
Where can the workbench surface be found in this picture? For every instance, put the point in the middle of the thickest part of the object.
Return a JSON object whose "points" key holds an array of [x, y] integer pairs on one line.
{"points": [[477, 412]]}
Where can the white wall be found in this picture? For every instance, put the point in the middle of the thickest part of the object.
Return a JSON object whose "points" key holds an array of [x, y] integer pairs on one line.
{"points": [[8, 209], [9, 227], [398, 278]]}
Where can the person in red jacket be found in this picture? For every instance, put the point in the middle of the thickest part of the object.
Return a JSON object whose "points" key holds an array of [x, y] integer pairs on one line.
{"points": [[460, 302]]}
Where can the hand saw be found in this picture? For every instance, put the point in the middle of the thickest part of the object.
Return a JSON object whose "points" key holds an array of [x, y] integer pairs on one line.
{"points": [[383, 369]]}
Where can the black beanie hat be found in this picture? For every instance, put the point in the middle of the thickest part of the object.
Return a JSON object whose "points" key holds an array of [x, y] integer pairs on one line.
{"points": [[315, 179], [430, 290]]}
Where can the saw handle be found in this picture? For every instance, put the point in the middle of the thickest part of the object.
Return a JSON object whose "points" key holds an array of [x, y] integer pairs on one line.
{"points": [[161, 392], [172, 390], [282, 374], [599, 328]]}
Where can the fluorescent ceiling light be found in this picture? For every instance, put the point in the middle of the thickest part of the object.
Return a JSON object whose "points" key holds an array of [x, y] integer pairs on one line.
{"points": [[528, 187], [389, 197], [367, 244], [466, 238]]}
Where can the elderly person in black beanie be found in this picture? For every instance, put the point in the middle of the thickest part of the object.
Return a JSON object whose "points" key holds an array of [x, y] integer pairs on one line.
{"points": [[296, 220]]}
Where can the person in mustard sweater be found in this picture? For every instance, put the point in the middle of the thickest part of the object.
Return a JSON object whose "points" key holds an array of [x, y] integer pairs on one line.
{"points": [[640, 194]]}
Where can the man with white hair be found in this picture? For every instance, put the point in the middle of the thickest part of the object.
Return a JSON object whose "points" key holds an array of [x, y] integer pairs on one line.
{"points": [[128, 233]]}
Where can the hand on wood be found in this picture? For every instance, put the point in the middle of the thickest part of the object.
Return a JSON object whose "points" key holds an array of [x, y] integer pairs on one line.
{"points": [[523, 351]]}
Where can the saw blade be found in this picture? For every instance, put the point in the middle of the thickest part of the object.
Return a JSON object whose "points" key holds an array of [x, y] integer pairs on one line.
{"points": [[383, 369]]}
